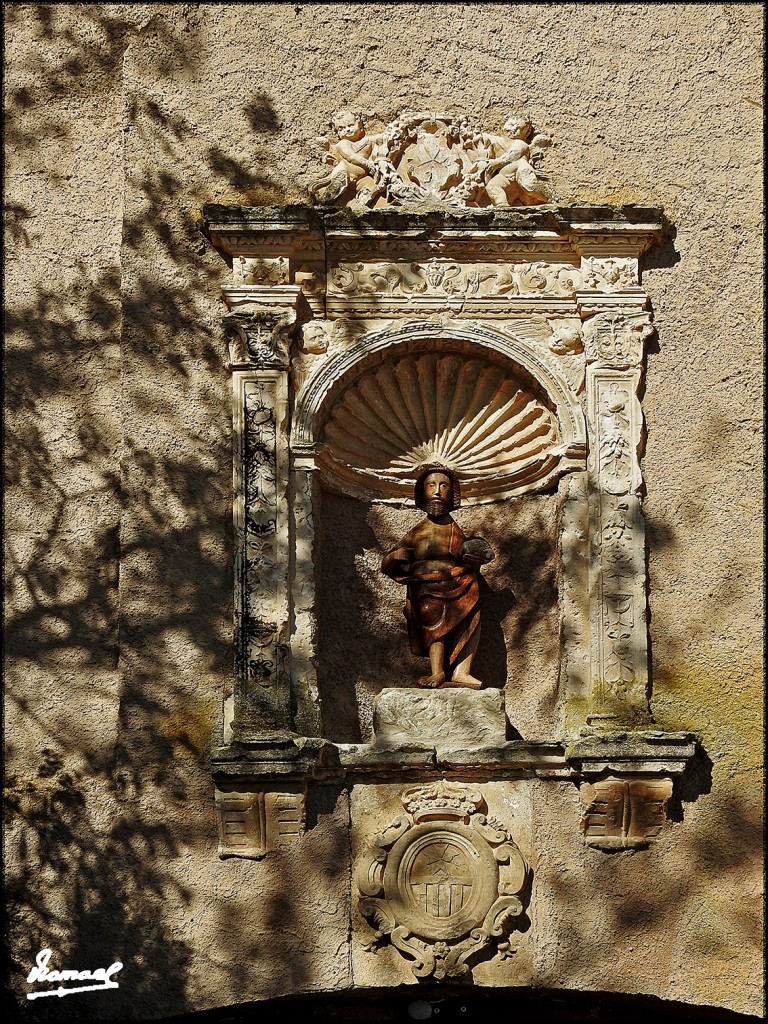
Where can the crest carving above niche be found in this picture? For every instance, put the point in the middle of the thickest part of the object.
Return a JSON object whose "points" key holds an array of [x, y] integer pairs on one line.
{"points": [[427, 157]]}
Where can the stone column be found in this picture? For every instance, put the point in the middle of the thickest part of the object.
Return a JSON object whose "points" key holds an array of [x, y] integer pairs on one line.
{"points": [[259, 333], [613, 342]]}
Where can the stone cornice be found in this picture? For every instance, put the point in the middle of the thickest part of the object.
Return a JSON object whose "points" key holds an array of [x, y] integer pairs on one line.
{"points": [[630, 229]]}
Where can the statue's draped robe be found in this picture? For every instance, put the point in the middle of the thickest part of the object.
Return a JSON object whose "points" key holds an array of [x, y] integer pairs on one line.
{"points": [[443, 605]]}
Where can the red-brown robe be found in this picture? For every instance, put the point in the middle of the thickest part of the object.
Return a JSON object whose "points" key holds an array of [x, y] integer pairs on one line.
{"points": [[443, 605]]}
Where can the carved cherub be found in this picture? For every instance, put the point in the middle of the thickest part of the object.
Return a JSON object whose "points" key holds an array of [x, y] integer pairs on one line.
{"points": [[510, 164], [351, 153]]}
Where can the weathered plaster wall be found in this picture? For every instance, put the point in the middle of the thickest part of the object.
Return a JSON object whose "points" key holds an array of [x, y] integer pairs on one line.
{"points": [[123, 119]]}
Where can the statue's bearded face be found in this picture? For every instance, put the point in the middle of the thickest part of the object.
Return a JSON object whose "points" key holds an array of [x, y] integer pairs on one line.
{"points": [[438, 494]]}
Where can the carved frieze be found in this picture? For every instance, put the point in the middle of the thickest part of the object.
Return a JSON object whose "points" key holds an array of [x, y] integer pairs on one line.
{"points": [[432, 157], [254, 821], [260, 270], [609, 274], [451, 278], [624, 813], [442, 882]]}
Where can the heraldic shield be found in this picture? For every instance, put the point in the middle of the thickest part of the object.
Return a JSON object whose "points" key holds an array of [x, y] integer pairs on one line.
{"points": [[443, 881]]}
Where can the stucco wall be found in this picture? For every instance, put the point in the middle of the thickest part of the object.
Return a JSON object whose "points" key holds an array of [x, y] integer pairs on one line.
{"points": [[123, 119]]}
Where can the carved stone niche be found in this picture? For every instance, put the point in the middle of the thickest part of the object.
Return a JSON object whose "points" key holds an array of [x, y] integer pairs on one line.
{"points": [[504, 343]]}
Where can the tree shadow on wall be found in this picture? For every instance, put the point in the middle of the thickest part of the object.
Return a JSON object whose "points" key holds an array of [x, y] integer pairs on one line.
{"points": [[118, 516]]}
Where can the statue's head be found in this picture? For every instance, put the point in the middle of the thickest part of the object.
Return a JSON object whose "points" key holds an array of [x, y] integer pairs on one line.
{"points": [[437, 490], [348, 125], [518, 126]]}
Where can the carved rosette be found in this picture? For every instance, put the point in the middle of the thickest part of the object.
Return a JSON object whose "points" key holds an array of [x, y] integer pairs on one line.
{"points": [[443, 881]]}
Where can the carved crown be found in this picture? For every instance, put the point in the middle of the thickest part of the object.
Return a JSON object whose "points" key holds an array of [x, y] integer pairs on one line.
{"points": [[443, 801]]}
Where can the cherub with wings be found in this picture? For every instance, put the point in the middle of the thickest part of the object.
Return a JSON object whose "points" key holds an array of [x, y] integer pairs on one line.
{"points": [[351, 155], [510, 162]]}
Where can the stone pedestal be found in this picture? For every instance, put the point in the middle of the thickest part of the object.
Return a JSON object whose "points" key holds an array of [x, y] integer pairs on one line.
{"points": [[453, 719]]}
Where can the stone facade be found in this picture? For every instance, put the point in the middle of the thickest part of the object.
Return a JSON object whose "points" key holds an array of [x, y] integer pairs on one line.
{"points": [[124, 121]]}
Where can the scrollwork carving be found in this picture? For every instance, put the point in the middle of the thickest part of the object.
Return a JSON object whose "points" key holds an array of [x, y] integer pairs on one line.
{"points": [[442, 883], [447, 278]]}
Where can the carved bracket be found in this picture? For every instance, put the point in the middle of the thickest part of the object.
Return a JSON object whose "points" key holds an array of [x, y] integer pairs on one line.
{"points": [[253, 821], [624, 813]]}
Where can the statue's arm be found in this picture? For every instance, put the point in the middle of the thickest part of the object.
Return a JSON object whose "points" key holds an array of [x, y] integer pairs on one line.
{"points": [[398, 561]]}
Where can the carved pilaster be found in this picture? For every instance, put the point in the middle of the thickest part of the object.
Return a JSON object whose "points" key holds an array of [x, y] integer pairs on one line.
{"points": [[618, 605], [574, 598], [259, 349]]}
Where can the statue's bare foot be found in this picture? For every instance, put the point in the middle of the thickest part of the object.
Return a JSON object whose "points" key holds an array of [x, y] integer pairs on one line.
{"points": [[431, 681], [467, 681]]}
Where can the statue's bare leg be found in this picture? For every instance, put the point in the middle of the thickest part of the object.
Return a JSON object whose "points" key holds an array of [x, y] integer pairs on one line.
{"points": [[462, 675], [436, 655]]}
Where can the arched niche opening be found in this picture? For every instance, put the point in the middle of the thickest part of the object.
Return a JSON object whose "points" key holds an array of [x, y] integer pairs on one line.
{"points": [[450, 401]]}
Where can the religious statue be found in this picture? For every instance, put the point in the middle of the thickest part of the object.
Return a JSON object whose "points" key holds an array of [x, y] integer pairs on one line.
{"points": [[440, 566]]}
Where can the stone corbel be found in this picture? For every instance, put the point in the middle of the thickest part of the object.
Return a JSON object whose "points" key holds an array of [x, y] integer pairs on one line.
{"points": [[626, 782], [255, 820], [624, 813]]}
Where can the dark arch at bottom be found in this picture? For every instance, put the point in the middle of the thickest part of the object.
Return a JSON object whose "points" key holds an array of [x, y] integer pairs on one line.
{"points": [[441, 1004]]}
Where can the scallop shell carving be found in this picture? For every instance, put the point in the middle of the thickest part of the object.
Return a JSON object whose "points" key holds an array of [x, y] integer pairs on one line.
{"points": [[468, 414]]}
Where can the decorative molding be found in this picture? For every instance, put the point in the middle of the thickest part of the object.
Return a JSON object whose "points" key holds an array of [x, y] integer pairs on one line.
{"points": [[260, 270], [610, 274], [442, 882]]}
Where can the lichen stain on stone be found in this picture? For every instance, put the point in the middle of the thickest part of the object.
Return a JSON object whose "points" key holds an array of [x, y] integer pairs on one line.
{"points": [[190, 733]]}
